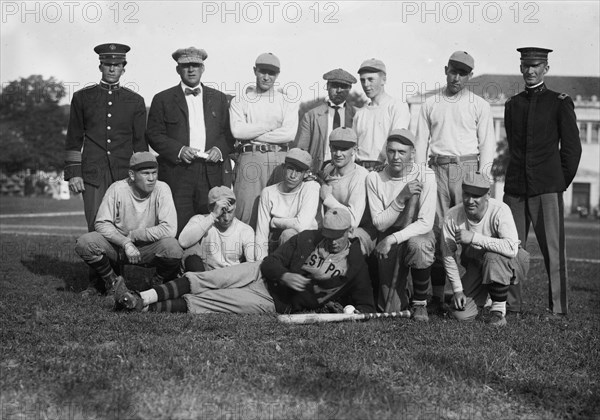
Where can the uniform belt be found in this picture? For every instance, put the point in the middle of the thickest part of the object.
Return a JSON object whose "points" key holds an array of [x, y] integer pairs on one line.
{"points": [[444, 160], [263, 148]]}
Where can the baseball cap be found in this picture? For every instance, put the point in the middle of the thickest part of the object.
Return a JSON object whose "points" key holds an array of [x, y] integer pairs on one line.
{"points": [[475, 184], [462, 61], [218, 193], [299, 158], [336, 222], [343, 137], [372, 65], [142, 160], [268, 61], [402, 136]]}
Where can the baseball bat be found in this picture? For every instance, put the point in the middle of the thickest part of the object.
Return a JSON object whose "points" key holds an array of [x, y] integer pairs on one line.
{"points": [[320, 318]]}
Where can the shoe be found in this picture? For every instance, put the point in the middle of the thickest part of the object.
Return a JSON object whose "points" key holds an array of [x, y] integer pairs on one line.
{"points": [[110, 284], [420, 313], [125, 298], [496, 319], [437, 307]]}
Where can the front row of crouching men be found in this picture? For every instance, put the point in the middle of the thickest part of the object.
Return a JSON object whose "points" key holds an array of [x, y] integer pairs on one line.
{"points": [[291, 264]]}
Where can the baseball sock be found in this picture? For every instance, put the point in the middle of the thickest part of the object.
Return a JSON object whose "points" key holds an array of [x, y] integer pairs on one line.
{"points": [[438, 281], [420, 278], [498, 293], [104, 270], [171, 305], [173, 289], [166, 268]]}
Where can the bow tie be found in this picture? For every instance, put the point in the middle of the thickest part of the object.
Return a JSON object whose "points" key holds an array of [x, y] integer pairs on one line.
{"points": [[194, 91]]}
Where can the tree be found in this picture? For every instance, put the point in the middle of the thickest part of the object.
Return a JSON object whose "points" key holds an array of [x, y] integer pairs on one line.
{"points": [[32, 124], [501, 162]]}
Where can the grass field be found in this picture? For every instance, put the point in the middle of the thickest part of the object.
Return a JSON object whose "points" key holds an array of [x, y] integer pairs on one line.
{"points": [[64, 357]]}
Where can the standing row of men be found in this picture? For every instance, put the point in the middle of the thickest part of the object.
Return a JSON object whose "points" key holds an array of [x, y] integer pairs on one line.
{"points": [[193, 129]]}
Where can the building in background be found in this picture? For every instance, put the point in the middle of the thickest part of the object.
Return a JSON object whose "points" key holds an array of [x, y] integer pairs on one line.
{"points": [[584, 192]]}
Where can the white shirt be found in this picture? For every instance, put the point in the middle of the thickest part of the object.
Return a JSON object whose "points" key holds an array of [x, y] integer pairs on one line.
{"points": [[196, 118]]}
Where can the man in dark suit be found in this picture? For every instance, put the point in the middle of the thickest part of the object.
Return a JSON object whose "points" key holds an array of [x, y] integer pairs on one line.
{"points": [[543, 141], [188, 125], [318, 123], [106, 126]]}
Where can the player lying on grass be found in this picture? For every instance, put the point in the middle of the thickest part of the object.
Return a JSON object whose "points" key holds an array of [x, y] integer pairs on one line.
{"points": [[311, 269], [483, 232], [137, 222]]}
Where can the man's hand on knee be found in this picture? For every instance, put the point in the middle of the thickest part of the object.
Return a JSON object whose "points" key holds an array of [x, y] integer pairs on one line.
{"points": [[133, 254]]}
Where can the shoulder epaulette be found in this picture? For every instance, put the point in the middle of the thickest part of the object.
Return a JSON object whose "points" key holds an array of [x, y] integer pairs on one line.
{"points": [[89, 87], [563, 96]]}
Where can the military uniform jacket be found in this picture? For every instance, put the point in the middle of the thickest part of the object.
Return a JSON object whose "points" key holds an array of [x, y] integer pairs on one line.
{"points": [[543, 142], [169, 128], [106, 126]]}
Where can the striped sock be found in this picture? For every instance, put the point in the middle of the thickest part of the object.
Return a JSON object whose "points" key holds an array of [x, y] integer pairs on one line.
{"points": [[171, 305], [420, 278], [104, 270], [498, 293], [149, 297], [173, 289]]}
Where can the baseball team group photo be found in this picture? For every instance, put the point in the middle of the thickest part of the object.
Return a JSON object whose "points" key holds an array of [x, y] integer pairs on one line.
{"points": [[203, 253]]}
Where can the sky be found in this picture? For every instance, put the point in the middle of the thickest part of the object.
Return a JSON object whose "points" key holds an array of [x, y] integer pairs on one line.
{"points": [[413, 38]]}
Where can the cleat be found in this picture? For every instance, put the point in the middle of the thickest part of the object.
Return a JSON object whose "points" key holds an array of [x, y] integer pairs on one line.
{"points": [[420, 313], [496, 319]]}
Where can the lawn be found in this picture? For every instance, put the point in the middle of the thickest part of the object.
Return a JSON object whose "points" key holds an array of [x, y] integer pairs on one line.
{"points": [[66, 357]]}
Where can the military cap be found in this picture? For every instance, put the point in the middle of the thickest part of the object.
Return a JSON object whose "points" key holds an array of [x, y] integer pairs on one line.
{"points": [[402, 136], [343, 137], [462, 61], [112, 53], [336, 222], [268, 61], [219, 193], [339, 76], [372, 65], [475, 184], [533, 55], [299, 158], [142, 160], [189, 55]]}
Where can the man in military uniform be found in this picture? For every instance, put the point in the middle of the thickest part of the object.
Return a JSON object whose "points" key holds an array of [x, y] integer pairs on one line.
{"points": [[334, 112], [106, 126], [544, 146]]}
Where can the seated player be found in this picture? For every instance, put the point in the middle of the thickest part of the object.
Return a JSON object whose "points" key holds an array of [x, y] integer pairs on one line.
{"points": [[344, 185], [136, 223], [288, 207], [482, 231], [390, 193], [217, 239], [305, 273]]}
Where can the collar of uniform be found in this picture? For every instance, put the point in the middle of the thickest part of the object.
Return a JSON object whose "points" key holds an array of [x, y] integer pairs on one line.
{"points": [[536, 89], [109, 86]]}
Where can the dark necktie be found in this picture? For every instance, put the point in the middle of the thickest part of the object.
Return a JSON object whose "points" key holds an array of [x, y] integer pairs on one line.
{"points": [[336, 117], [194, 92]]}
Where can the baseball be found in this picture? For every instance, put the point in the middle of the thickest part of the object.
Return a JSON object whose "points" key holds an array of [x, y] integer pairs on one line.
{"points": [[349, 309]]}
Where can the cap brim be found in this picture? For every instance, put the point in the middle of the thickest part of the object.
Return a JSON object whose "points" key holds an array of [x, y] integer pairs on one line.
{"points": [[342, 144], [460, 65], [144, 165], [332, 233], [268, 67], [475, 191], [299, 165], [368, 69]]}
